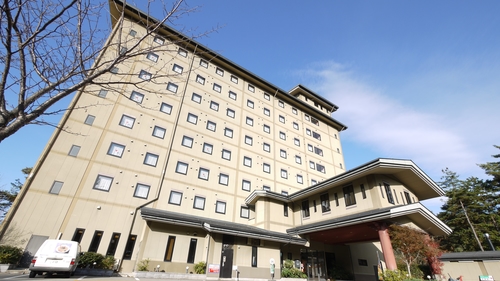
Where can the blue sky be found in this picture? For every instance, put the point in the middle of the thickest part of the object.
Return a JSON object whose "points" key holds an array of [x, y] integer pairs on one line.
{"points": [[413, 79]]}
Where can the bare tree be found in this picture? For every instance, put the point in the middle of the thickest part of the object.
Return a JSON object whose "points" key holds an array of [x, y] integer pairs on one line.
{"points": [[51, 49]]}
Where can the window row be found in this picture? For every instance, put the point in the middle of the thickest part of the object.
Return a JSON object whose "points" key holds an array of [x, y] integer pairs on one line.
{"points": [[113, 243]]}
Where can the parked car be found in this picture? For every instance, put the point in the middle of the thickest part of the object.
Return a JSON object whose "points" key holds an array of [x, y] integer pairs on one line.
{"points": [[55, 256]]}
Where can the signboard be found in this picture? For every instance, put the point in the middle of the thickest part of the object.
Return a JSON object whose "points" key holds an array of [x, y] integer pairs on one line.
{"points": [[213, 268], [486, 278]]}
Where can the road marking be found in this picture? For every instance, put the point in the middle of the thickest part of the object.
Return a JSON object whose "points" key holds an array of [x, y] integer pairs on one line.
{"points": [[137, 279], [13, 277], [81, 278]]}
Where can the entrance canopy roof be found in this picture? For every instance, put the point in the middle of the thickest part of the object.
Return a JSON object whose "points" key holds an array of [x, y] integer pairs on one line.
{"points": [[219, 226], [361, 226]]}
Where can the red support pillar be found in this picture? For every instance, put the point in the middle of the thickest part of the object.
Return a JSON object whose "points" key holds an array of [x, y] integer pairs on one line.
{"points": [[385, 242]]}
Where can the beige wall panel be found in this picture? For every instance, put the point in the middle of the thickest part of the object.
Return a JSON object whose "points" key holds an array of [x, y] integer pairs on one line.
{"points": [[365, 251]]}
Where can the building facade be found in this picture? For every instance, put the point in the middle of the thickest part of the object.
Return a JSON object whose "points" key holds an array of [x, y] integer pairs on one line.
{"points": [[180, 156]]}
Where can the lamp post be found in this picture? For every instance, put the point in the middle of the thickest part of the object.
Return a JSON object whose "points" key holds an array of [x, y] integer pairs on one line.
{"points": [[489, 241]]}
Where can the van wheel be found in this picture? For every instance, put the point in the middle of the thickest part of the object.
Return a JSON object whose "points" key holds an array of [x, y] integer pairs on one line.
{"points": [[32, 274]]}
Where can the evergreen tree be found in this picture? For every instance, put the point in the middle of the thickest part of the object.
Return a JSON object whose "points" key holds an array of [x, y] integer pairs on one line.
{"points": [[7, 197], [481, 201]]}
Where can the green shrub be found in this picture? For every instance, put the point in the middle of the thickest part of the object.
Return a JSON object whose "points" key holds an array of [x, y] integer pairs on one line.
{"points": [[143, 265], [200, 267], [338, 272], [10, 254], [396, 275], [90, 259], [288, 271], [108, 262]]}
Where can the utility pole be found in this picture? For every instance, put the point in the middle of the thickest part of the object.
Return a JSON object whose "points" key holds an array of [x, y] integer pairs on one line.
{"points": [[472, 227]]}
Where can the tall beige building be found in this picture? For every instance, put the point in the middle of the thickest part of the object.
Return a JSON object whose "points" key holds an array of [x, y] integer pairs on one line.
{"points": [[193, 158]]}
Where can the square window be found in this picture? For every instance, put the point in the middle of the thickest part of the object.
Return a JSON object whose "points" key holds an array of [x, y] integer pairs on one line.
{"points": [[181, 168], [266, 188], [298, 159], [223, 179], [56, 187], [172, 87], [226, 154], [307, 117], [308, 132], [159, 132], [200, 79], [182, 52], [132, 33], [325, 203], [266, 168], [159, 40], [208, 148], [151, 159], [141, 191], [74, 150], [123, 50], [103, 183], [234, 79], [145, 75], [187, 141], [177, 68], [228, 132], [313, 182], [249, 121], [192, 118], [246, 185], [220, 207], [267, 112], [314, 121], [114, 70], [196, 98], [127, 121], [296, 142], [349, 197], [267, 96], [89, 120], [204, 63], [219, 71], [267, 129], [203, 174], [282, 136], [211, 126], [294, 110], [251, 88], [244, 212], [102, 93], [214, 106], [310, 148], [199, 203], [175, 198], [250, 103], [248, 140], [282, 153], [166, 108], [247, 161], [230, 113], [295, 126], [284, 192], [320, 168], [217, 88], [282, 119], [316, 136], [154, 58], [281, 104], [300, 179], [318, 151], [232, 95], [284, 173], [116, 149], [266, 147], [312, 165], [137, 97]]}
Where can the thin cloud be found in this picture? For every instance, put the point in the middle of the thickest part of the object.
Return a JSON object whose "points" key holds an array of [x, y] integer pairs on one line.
{"points": [[389, 127]]}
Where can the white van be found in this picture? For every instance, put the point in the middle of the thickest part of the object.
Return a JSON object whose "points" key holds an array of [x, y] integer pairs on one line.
{"points": [[55, 256]]}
